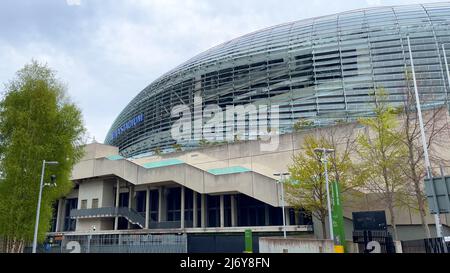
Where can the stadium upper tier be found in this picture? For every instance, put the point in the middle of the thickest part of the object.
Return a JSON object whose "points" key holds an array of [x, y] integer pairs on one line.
{"points": [[323, 69]]}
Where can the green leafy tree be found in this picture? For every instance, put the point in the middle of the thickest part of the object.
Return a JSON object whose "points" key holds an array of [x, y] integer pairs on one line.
{"points": [[178, 147], [307, 187], [382, 155], [157, 151], [303, 124], [203, 142], [37, 122]]}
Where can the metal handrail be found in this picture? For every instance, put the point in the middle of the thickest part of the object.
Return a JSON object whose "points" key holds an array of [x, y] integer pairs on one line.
{"points": [[130, 214]]}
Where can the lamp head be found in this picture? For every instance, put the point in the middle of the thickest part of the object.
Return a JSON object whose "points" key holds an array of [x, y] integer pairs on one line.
{"points": [[323, 151], [51, 162]]}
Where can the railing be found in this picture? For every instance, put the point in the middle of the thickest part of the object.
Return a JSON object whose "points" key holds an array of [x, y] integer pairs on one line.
{"points": [[432, 245], [115, 243], [169, 224], [383, 237], [131, 215]]}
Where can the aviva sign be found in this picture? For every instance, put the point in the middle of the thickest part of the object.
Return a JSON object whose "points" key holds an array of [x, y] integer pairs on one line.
{"points": [[128, 125]]}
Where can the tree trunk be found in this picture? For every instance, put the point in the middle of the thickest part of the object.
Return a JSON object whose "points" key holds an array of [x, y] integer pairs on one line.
{"points": [[393, 223], [324, 229], [417, 190], [13, 245], [423, 214]]}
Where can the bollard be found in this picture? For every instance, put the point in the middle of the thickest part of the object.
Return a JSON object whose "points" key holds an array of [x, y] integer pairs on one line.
{"points": [[339, 249]]}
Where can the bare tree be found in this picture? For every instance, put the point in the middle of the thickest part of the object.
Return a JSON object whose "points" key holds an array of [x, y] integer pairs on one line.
{"points": [[437, 136]]}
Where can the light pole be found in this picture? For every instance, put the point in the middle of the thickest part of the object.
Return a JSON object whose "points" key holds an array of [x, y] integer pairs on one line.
{"points": [[281, 181], [323, 153], [90, 238], [423, 138], [446, 67], [38, 210]]}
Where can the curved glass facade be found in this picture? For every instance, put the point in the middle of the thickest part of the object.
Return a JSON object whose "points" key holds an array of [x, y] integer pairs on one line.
{"points": [[321, 69]]}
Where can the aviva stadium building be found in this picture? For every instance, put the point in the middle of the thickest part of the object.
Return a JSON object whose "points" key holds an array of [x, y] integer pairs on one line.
{"points": [[322, 69], [139, 192]]}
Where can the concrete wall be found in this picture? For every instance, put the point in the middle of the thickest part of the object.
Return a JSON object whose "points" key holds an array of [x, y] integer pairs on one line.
{"points": [[416, 232], [108, 194], [100, 224], [294, 245], [89, 190], [259, 184], [99, 150]]}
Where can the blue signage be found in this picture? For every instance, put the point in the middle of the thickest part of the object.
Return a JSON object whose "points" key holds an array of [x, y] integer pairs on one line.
{"points": [[128, 125]]}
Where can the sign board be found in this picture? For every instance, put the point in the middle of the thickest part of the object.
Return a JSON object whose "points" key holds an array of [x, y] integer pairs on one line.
{"points": [[369, 220], [437, 192], [135, 121], [337, 214], [248, 241]]}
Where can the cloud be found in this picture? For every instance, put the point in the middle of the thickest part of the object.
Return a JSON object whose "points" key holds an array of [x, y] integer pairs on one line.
{"points": [[73, 2], [109, 50], [373, 2]]}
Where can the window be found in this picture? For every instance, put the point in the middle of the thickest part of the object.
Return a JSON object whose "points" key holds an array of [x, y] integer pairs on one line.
{"points": [[95, 203], [69, 223], [84, 204]]}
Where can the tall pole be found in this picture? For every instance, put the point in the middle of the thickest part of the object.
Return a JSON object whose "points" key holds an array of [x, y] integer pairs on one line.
{"points": [[424, 141], [330, 217], [282, 201], [281, 181], [38, 210], [446, 69]]}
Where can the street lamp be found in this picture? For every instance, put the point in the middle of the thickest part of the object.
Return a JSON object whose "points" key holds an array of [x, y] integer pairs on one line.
{"points": [[93, 228], [323, 153], [281, 181], [446, 65], [38, 210], [422, 134]]}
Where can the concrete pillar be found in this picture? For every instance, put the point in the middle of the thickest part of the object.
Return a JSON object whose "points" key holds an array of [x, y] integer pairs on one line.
{"points": [[233, 211], [203, 209], [116, 220], [398, 247], [222, 211], [147, 208], [266, 215], [63, 215], [194, 209], [288, 218], [59, 215], [131, 201], [182, 206], [162, 208]]}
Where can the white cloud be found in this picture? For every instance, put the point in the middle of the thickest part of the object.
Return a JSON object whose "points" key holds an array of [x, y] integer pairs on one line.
{"points": [[373, 2], [73, 2], [113, 49]]}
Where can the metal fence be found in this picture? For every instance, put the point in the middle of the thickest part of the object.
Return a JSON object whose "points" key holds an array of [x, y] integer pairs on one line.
{"points": [[368, 240], [118, 243], [432, 245]]}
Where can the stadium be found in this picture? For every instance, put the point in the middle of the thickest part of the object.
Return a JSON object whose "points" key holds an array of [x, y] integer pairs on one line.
{"points": [[202, 198], [321, 70]]}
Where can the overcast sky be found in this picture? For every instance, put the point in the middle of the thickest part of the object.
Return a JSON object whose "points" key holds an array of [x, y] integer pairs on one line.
{"points": [[107, 51]]}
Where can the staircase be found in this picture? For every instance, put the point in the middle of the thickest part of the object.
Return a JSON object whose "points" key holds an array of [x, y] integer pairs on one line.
{"points": [[131, 215]]}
